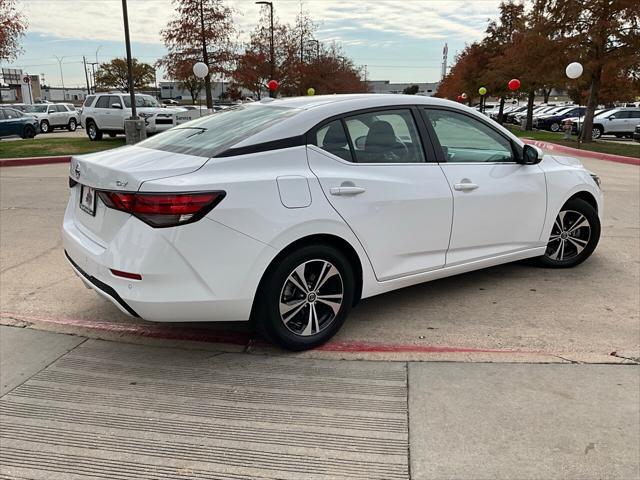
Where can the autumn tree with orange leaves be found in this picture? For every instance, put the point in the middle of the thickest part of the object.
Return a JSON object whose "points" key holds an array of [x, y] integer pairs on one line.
{"points": [[13, 26], [297, 66], [201, 30]]}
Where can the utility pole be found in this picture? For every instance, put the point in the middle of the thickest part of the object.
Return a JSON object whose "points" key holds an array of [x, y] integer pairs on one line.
{"points": [[93, 71], [64, 91], [205, 59], [272, 59], [86, 74]]}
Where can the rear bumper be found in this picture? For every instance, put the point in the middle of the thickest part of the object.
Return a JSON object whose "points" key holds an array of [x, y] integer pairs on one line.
{"points": [[102, 288], [198, 272]]}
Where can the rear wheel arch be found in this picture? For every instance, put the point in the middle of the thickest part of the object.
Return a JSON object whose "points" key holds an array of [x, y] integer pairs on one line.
{"points": [[318, 239]]}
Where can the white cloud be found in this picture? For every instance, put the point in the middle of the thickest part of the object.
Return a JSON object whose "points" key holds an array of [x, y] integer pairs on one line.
{"points": [[418, 19]]}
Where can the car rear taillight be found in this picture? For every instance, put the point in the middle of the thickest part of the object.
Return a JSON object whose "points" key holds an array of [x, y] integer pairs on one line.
{"points": [[163, 209]]}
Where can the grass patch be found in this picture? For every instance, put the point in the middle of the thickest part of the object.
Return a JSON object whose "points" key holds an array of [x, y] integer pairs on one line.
{"points": [[632, 149], [45, 147]]}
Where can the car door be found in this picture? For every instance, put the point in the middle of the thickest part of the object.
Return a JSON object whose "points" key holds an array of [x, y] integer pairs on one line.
{"points": [[101, 111], [62, 115], [116, 115], [375, 173], [499, 205], [52, 115], [10, 122], [617, 122]]}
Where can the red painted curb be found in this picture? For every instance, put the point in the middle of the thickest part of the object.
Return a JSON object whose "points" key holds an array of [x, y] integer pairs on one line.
{"points": [[200, 334], [23, 162], [583, 153]]}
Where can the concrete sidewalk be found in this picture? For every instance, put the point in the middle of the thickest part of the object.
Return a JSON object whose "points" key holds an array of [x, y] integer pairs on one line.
{"points": [[76, 408]]}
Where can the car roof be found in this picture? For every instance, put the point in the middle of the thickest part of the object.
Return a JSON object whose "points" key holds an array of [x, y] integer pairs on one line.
{"points": [[316, 109]]}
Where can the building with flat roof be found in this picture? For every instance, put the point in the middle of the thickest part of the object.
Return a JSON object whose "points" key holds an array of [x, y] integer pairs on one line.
{"points": [[385, 86]]}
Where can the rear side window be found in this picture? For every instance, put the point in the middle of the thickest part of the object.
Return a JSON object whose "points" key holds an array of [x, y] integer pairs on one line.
{"points": [[333, 139], [103, 102], [208, 136], [88, 101], [61, 108]]}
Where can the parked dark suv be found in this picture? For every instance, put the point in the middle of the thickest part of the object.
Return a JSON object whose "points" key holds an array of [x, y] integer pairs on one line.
{"points": [[14, 122]]}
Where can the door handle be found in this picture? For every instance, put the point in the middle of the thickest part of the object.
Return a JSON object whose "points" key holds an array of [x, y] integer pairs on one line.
{"points": [[346, 190], [464, 187]]}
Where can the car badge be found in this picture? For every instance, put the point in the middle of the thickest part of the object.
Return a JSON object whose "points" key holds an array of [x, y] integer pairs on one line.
{"points": [[76, 171]]}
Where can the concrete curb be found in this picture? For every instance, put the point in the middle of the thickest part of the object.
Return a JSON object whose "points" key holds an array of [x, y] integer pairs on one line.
{"points": [[583, 153], [335, 349], [27, 161]]}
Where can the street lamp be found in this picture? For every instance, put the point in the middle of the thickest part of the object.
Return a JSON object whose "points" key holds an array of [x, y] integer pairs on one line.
{"points": [[271, 46], [134, 128], [64, 92], [574, 71]]}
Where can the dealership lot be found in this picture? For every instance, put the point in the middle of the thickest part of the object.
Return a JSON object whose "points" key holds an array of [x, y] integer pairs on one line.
{"points": [[518, 311], [205, 409]]}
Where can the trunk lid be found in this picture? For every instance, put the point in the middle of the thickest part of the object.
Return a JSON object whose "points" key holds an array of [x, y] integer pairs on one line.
{"points": [[121, 169], [127, 168]]}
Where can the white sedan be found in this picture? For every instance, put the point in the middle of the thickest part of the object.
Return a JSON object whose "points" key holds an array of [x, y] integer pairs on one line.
{"points": [[288, 212]]}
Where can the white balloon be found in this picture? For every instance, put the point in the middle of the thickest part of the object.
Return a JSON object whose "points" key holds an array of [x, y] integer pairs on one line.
{"points": [[464, 95], [200, 69], [574, 70]]}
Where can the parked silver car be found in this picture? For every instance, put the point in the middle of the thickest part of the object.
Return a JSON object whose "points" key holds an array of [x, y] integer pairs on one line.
{"points": [[55, 115]]}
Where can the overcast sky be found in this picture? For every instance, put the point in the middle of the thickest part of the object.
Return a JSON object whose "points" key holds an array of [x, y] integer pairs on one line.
{"points": [[398, 40]]}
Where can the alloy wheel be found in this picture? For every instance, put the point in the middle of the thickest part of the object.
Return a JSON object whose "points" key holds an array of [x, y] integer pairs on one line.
{"points": [[311, 297], [570, 235], [44, 126], [555, 127], [72, 125], [595, 133], [92, 131]]}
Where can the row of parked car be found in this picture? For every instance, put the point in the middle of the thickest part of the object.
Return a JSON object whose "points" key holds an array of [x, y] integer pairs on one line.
{"points": [[27, 121], [621, 121]]}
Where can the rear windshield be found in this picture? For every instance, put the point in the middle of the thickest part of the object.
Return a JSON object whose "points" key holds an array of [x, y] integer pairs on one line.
{"points": [[215, 133]]}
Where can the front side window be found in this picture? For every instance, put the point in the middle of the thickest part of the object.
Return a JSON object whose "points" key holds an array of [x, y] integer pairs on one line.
{"points": [[213, 134], [465, 139], [142, 101], [388, 136], [113, 100]]}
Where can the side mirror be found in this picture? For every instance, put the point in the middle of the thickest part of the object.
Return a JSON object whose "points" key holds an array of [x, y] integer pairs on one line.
{"points": [[612, 117], [116, 105], [531, 155]]}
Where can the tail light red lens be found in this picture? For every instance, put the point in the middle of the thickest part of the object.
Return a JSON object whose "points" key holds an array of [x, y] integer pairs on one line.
{"points": [[163, 209]]}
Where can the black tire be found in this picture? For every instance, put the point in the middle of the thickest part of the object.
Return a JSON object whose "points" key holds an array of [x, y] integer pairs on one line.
{"points": [[45, 127], [72, 125], [554, 127], [28, 132], [315, 260], [597, 132], [93, 132], [570, 245]]}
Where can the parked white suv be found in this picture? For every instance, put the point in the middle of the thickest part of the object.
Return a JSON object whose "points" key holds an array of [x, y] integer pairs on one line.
{"points": [[619, 122], [106, 113], [55, 115]]}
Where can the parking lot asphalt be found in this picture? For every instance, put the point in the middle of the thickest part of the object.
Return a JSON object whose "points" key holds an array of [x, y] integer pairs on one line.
{"points": [[58, 133], [508, 313]]}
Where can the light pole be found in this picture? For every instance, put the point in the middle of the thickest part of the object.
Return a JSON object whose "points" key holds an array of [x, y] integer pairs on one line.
{"points": [[205, 58], [134, 128], [64, 92], [272, 60], [574, 71]]}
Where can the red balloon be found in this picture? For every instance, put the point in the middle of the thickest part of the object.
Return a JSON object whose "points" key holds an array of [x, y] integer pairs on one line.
{"points": [[460, 98], [514, 84], [272, 85]]}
